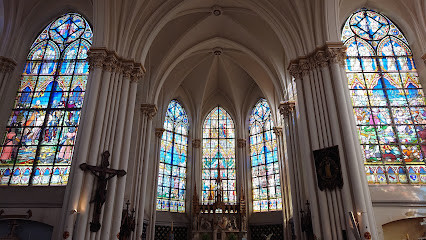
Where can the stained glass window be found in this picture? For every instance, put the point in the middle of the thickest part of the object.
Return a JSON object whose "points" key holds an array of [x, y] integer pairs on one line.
{"points": [[173, 154], [39, 140], [219, 156], [387, 97], [265, 171]]}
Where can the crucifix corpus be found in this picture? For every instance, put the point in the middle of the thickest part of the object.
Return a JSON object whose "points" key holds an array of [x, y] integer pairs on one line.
{"points": [[103, 174]]}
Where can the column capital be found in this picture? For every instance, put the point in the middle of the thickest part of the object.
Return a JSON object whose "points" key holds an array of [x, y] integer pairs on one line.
{"points": [[149, 110], [424, 58], [278, 131], [335, 52], [7, 64], [196, 143], [286, 108], [330, 52], [96, 57], [111, 61], [127, 68], [137, 73], [159, 132], [241, 142], [295, 70]]}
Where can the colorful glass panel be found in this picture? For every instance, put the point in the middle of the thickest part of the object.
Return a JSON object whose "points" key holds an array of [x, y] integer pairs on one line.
{"points": [[218, 156], [387, 97], [39, 140], [173, 154], [266, 183]]}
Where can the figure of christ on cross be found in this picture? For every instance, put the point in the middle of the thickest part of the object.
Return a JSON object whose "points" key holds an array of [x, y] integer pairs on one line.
{"points": [[103, 174]]}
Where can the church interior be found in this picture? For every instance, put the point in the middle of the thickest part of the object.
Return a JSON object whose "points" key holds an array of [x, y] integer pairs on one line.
{"points": [[212, 119]]}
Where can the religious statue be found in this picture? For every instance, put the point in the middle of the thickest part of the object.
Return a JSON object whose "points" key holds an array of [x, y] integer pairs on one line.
{"points": [[204, 223], [103, 174], [223, 222], [128, 223]]}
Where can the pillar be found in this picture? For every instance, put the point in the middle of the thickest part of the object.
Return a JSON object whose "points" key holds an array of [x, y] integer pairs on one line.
{"points": [[295, 181], [324, 120], [151, 229], [147, 112], [108, 105]]}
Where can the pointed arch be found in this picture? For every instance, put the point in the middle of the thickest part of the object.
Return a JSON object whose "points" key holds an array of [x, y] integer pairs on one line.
{"points": [[218, 157], [43, 126], [265, 170], [387, 97], [171, 186]]}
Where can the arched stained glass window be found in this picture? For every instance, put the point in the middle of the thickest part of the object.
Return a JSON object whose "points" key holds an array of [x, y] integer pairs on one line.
{"points": [[265, 171], [387, 98], [173, 154], [219, 156], [39, 141]]}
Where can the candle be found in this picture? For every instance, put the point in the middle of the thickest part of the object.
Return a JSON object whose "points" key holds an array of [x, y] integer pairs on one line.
{"points": [[172, 226]]}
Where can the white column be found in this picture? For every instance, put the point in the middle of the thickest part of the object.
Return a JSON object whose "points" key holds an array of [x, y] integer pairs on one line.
{"points": [[293, 171], [196, 160], [93, 155], [109, 103], [304, 136], [73, 190], [242, 159], [149, 111], [326, 119], [153, 210], [126, 142], [351, 146]]}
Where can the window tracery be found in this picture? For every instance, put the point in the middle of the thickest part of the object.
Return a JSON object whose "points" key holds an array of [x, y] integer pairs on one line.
{"points": [[218, 155], [266, 183], [387, 98], [39, 141], [171, 187]]}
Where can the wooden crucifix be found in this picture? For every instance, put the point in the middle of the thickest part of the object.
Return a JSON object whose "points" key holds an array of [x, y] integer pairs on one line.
{"points": [[103, 174]]}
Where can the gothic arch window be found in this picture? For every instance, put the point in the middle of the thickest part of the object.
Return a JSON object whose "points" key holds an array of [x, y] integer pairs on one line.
{"points": [[39, 140], [265, 171], [218, 156], [173, 155], [387, 97]]}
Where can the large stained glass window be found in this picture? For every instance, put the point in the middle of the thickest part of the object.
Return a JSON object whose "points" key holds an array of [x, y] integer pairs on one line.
{"points": [[39, 140], [387, 97], [173, 154], [219, 157], [265, 171]]}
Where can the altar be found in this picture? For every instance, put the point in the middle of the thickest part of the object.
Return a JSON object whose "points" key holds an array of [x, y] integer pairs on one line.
{"points": [[219, 221]]}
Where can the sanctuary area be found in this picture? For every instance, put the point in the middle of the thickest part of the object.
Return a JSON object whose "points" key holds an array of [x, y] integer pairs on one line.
{"points": [[212, 119]]}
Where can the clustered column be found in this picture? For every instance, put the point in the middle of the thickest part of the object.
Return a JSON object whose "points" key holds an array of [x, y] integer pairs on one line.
{"points": [[294, 172], [147, 112], [325, 119], [196, 166], [284, 181], [156, 162], [243, 169], [108, 107]]}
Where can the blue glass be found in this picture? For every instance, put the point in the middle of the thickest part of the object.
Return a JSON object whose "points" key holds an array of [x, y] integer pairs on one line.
{"points": [[173, 154]]}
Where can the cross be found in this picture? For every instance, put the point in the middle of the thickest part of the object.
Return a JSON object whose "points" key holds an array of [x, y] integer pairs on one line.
{"points": [[103, 174]]}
